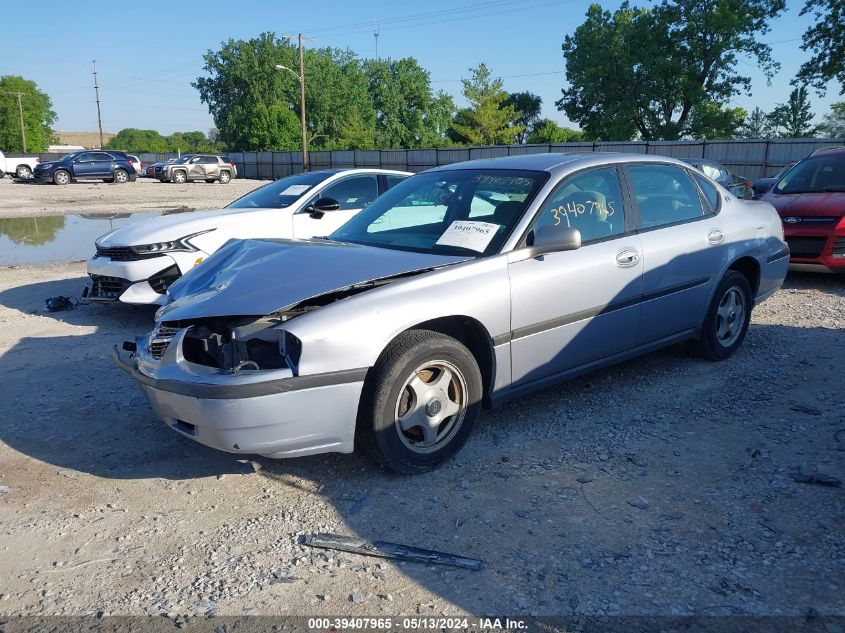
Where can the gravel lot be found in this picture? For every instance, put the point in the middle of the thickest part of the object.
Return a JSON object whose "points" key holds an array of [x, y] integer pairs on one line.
{"points": [[663, 486], [19, 198]]}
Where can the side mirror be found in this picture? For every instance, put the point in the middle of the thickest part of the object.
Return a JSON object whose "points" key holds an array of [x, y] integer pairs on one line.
{"points": [[319, 208], [553, 239]]}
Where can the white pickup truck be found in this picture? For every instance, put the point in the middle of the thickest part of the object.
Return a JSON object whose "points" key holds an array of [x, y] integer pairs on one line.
{"points": [[21, 167]]}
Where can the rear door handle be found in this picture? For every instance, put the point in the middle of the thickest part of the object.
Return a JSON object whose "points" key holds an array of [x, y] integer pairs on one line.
{"points": [[627, 258], [715, 237]]}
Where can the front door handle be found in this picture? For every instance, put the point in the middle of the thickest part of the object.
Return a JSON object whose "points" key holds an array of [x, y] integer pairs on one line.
{"points": [[628, 258], [715, 237]]}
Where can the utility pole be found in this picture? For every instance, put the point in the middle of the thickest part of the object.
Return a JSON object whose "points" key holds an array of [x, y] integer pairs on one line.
{"points": [[20, 113], [375, 34], [302, 104], [97, 99]]}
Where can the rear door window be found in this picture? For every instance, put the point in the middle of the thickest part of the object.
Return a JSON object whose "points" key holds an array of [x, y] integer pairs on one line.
{"points": [[711, 195], [665, 194]]}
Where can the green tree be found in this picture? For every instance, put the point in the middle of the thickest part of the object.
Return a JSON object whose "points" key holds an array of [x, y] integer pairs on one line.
{"points": [[32, 231], [709, 120], [489, 120], [135, 140], [833, 124], [756, 125], [194, 141], [528, 107], [826, 40], [642, 71], [408, 113], [38, 115], [548, 131], [793, 119]]}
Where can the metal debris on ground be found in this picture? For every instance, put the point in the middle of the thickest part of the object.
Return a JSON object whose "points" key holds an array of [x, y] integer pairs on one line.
{"points": [[817, 478], [383, 549]]}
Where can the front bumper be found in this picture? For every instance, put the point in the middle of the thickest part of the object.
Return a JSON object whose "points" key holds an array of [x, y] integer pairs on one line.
{"points": [[270, 412], [817, 251], [143, 281]]}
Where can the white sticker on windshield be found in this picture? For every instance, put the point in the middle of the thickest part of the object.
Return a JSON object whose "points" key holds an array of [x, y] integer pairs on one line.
{"points": [[466, 234], [295, 190]]}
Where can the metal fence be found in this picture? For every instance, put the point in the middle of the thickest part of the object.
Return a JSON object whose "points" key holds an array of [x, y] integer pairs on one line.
{"points": [[750, 158]]}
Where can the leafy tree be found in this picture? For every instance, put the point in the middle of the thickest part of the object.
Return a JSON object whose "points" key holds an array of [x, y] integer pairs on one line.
{"points": [[357, 132], [833, 124], [794, 118], [527, 106], [709, 120], [135, 140], [194, 141], [756, 125], [408, 113], [826, 40], [489, 120], [548, 131], [38, 116], [642, 71]]}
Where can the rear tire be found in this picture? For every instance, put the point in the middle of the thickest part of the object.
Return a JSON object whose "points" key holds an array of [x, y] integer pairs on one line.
{"points": [[726, 324], [61, 177], [420, 402], [23, 171], [225, 177]]}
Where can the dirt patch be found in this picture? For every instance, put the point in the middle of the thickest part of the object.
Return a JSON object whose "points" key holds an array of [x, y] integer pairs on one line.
{"points": [[661, 486]]}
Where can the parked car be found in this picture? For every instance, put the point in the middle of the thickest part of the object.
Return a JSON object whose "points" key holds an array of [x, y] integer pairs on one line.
{"points": [[810, 199], [137, 262], [20, 167], [136, 163], [153, 170], [198, 167], [716, 171], [763, 185], [433, 302], [109, 166]]}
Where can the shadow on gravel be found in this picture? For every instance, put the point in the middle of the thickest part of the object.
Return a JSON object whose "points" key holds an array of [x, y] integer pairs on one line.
{"points": [[596, 494], [67, 404]]}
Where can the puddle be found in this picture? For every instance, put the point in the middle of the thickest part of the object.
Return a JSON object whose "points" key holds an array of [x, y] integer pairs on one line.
{"points": [[57, 238]]}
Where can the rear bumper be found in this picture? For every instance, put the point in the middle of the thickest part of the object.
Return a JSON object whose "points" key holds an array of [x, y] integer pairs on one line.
{"points": [[270, 413]]}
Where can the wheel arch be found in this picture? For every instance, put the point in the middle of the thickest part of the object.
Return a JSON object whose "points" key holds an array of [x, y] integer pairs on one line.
{"points": [[471, 333], [749, 267]]}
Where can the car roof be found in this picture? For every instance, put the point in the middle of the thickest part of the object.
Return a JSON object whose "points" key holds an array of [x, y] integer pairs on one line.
{"points": [[553, 162], [828, 150]]}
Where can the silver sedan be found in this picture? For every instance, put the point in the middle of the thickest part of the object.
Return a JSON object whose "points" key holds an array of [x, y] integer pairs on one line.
{"points": [[459, 289]]}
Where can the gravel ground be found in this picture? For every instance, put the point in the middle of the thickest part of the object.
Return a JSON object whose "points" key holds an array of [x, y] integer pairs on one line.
{"points": [[662, 486], [20, 198]]}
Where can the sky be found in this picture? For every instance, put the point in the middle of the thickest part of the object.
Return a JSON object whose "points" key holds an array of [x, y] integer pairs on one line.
{"points": [[147, 55]]}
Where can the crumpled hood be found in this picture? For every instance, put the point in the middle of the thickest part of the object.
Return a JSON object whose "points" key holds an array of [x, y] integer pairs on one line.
{"points": [[822, 204], [259, 277], [172, 227]]}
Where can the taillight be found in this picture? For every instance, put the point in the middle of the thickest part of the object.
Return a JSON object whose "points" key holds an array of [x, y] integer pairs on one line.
{"points": [[747, 183], [37, 160]]}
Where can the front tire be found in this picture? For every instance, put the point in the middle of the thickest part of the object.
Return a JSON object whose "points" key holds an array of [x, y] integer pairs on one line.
{"points": [[726, 324], [420, 402], [23, 171], [61, 177], [179, 177], [121, 176]]}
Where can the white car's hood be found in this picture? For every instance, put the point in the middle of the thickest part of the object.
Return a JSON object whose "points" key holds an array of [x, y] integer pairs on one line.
{"points": [[171, 227]]}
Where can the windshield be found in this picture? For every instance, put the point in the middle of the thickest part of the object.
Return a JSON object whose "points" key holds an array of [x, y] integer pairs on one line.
{"points": [[281, 193], [815, 174], [454, 212], [183, 159]]}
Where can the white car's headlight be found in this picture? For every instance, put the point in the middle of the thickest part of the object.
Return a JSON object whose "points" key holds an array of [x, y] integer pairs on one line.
{"points": [[181, 245]]}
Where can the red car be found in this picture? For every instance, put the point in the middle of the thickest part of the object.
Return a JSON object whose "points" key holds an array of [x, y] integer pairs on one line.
{"points": [[810, 199]]}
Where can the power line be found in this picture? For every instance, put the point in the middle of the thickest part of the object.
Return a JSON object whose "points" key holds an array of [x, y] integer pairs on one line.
{"points": [[552, 72]]}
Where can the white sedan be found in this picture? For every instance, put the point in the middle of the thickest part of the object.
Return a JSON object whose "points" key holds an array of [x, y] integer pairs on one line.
{"points": [[137, 262]]}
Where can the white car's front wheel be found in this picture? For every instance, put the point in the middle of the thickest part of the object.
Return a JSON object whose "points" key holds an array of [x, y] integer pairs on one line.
{"points": [[23, 171]]}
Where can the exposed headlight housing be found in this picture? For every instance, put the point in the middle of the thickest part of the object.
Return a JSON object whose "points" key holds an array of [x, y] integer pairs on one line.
{"points": [[181, 245]]}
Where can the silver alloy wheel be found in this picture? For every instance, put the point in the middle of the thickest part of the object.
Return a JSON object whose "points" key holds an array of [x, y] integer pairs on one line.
{"points": [[120, 176], [224, 177], [24, 172], [431, 406], [62, 177], [730, 316], [179, 176]]}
